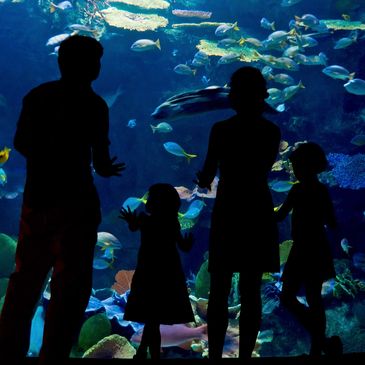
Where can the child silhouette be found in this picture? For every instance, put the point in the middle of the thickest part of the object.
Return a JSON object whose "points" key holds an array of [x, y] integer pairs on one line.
{"points": [[158, 292], [310, 261]]}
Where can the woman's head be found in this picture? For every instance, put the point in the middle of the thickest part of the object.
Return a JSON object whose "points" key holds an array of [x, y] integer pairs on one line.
{"points": [[248, 90], [308, 159], [163, 199]]}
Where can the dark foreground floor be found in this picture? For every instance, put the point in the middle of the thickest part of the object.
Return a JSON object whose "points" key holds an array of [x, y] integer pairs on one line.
{"points": [[346, 359]]}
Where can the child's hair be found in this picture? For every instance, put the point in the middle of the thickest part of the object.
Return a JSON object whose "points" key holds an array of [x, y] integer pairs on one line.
{"points": [[309, 156], [163, 199]]}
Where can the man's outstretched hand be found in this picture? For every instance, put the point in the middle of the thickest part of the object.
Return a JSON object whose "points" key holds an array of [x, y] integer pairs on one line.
{"points": [[113, 169]]}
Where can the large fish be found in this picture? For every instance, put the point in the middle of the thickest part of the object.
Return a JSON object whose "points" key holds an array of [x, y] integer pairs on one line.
{"points": [[196, 102]]}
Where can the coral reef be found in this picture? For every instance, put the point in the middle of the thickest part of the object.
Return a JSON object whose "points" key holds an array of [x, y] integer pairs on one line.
{"points": [[111, 347], [202, 281], [144, 4], [348, 171], [123, 280], [133, 21], [93, 330], [346, 286], [211, 48], [340, 24]]}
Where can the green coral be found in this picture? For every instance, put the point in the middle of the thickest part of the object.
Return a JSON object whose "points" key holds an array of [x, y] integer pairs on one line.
{"points": [[93, 330], [211, 48], [111, 347], [347, 286], [7, 255], [339, 24], [202, 281]]}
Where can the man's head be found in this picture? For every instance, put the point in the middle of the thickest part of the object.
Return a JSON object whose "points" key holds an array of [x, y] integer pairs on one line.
{"points": [[248, 90], [79, 58]]}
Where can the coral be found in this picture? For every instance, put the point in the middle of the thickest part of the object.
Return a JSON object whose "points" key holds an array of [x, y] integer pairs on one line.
{"points": [[235, 291], [145, 4], [339, 24], [133, 21], [349, 171], [202, 281], [7, 255], [123, 280], [285, 248], [211, 48], [197, 25], [111, 347], [347, 286], [93, 330]]}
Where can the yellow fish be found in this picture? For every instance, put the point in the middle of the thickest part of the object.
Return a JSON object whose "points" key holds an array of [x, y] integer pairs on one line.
{"points": [[4, 155]]}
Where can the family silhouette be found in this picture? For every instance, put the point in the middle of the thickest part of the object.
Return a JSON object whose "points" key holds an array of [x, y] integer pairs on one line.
{"points": [[62, 132]]}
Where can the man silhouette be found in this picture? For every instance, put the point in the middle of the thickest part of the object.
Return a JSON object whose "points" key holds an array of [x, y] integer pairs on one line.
{"points": [[62, 129], [243, 236]]}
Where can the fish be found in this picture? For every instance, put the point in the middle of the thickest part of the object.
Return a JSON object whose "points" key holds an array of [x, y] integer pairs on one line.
{"points": [[57, 39], [175, 334], [225, 29], [355, 86], [112, 97], [195, 102], [133, 202], [162, 127], [286, 3], [132, 123], [83, 28], [194, 209], [345, 41], [63, 5], [101, 264], [175, 149], [345, 246], [283, 79], [358, 140], [267, 24], [107, 240], [3, 177], [183, 69], [307, 20], [338, 72], [145, 45], [230, 42], [229, 58], [281, 186], [4, 155]]}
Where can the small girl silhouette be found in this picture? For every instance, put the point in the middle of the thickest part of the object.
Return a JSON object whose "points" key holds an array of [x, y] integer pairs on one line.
{"points": [[158, 292], [310, 261]]}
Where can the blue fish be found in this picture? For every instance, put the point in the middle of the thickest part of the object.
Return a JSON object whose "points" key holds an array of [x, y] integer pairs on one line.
{"points": [[132, 123], [177, 150]]}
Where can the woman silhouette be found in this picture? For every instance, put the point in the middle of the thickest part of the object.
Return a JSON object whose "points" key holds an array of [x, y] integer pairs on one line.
{"points": [[243, 236]]}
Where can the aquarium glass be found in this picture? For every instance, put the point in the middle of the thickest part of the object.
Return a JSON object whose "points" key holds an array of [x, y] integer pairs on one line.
{"points": [[312, 54]]}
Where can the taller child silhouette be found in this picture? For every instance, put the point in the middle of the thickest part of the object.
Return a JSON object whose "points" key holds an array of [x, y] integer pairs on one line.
{"points": [[243, 236], [62, 130]]}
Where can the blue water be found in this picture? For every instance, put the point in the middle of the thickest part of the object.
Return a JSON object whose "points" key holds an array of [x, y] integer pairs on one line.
{"points": [[324, 111]]}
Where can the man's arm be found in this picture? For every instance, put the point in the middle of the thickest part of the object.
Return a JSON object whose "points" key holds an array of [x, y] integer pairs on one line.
{"points": [[103, 164]]}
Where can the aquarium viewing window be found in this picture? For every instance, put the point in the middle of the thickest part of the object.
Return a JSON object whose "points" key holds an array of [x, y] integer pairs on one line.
{"points": [[165, 77]]}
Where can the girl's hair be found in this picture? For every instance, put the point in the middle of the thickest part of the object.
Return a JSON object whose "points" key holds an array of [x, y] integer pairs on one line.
{"points": [[163, 199], [309, 156]]}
